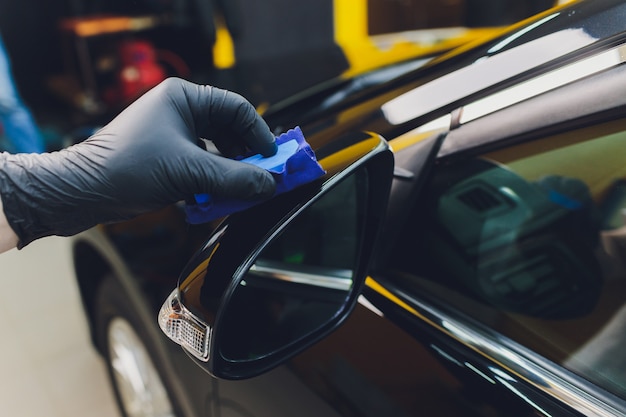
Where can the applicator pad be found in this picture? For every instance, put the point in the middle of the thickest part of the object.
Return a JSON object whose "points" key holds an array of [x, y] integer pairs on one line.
{"points": [[293, 165]]}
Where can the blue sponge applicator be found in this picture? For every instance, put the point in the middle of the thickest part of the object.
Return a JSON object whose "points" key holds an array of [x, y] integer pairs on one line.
{"points": [[293, 165]]}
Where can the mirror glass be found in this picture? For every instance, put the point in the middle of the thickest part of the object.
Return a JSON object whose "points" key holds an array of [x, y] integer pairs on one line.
{"points": [[301, 279]]}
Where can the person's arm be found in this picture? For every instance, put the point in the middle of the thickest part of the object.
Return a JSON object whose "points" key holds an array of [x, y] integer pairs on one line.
{"points": [[146, 158], [8, 238]]}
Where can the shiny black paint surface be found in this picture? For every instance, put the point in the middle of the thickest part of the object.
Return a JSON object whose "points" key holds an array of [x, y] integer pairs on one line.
{"points": [[600, 22]]}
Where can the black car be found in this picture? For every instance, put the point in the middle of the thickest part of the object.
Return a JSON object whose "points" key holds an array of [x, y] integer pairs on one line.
{"points": [[464, 255]]}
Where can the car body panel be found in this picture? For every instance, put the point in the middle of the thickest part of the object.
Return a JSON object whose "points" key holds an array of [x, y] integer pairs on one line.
{"points": [[350, 37], [518, 52]]}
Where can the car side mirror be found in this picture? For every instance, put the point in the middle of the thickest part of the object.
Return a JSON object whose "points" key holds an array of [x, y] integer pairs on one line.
{"points": [[275, 279]]}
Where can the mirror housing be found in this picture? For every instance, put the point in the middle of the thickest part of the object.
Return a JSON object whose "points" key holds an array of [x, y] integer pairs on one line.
{"points": [[217, 311]]}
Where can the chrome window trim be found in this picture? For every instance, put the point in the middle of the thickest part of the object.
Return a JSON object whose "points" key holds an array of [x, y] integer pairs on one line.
{"points": [[498, 349], [485, 73], [543, 83], [600, 92]]}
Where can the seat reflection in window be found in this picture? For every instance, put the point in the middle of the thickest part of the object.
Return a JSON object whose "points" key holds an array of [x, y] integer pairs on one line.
{"points": [[521, 246], [530, 240], [602, 359]]}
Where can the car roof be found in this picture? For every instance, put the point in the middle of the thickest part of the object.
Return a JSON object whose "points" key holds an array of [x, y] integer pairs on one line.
{"points": [[439, 86]]}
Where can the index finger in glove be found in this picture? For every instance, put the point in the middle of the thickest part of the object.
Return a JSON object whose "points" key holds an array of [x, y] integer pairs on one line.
{"points": [[223, 177], [230, 121]]}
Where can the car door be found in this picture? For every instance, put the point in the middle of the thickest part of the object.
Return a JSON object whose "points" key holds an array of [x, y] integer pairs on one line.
{"points": [[511, 267]]}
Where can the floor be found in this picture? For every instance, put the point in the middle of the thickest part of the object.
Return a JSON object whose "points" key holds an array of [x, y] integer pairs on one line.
{"points": [[48, 365]]}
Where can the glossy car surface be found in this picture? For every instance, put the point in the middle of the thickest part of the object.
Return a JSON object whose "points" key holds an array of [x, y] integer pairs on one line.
{"points": [[301, 44], [498, 285]]}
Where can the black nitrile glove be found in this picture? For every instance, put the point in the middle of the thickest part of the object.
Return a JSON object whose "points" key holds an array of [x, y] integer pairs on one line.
{"points": [[146, 158]]}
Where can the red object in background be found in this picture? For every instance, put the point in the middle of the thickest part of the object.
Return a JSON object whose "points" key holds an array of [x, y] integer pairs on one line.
{"points": [[139, 71], [140, 66]]}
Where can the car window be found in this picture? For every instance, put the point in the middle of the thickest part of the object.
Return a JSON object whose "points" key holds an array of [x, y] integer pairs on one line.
{"points": [[530, 240]]}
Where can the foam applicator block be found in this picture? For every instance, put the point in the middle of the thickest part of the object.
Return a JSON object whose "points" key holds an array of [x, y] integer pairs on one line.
{"points": [[293, 165]]}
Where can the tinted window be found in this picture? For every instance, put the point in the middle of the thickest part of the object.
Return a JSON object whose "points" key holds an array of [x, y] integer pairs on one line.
{"points": [[531, 241]]}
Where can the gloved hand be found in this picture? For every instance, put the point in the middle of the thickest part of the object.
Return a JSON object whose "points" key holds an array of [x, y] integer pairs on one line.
{"points": [[146, 158]]}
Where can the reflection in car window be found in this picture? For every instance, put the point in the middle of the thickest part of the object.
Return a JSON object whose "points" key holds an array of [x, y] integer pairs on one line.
{"points": [[531, 241], [326, 234], [302, 278]]}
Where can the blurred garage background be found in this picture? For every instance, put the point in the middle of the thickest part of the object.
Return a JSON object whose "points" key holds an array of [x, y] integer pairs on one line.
{"points": [[77, 63]]}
